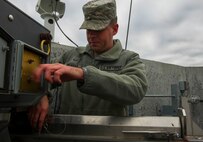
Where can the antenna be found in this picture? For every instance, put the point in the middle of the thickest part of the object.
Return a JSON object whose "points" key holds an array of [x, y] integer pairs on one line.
{"points": [[126, 42], [50, 11]]}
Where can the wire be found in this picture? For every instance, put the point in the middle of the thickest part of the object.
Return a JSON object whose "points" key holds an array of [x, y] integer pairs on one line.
{"points": [[64, 33], [57, 103], [49, 123], [59, 25], [126, 43]]}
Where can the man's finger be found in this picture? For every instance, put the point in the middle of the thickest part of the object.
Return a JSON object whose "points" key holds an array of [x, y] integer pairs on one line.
{"points": [[41, 120], [37, 73]]}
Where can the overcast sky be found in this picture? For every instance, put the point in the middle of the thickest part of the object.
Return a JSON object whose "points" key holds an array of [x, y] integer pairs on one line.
{"points": [[169, 31]]}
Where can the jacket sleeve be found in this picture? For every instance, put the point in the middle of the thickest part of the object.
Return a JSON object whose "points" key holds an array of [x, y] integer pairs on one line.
{"points": [[126, 88]]}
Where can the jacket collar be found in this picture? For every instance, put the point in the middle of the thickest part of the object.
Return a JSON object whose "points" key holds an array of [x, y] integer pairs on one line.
{"points": [[110, 55]]}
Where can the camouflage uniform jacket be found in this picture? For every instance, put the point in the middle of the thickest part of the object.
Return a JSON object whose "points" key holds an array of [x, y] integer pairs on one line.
{"points": [[112, 80]]}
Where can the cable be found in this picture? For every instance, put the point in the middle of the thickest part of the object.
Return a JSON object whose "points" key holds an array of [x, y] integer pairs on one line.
{"points": [[49, 123], [59, 25], [64, 33]]}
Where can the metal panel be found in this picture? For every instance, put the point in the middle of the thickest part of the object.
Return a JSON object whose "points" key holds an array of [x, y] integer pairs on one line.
{"points": [[107, 128], [24, 59], [19, 25], [30, 61], [3, 49]]}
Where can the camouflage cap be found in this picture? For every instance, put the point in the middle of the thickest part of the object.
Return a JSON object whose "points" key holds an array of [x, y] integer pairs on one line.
{"points": [[98, 14]]}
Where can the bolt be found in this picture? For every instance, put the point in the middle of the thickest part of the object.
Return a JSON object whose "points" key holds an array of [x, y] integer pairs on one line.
{"points": [[10, 17], [5, 48]]}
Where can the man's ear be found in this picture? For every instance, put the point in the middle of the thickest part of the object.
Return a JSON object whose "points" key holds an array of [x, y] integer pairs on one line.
{"points": [[115, 29]]}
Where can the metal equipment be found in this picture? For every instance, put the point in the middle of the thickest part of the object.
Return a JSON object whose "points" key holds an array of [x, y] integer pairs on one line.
{"points": [[20, 54], [107, 128], [170, 112], [50, 11], [17, 88]]}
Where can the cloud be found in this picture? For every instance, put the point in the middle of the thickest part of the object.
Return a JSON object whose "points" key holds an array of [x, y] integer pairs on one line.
{"points": [[169, 31]]}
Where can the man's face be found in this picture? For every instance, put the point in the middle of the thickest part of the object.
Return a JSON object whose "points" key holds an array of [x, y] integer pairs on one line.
{"points": [[101, 41]]}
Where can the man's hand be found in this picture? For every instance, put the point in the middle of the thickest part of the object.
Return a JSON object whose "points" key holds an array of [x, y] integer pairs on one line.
{"points": [[37, 114], [57, 73]]}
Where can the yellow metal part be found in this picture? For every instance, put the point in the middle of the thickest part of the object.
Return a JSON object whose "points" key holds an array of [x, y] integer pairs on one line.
{"points": [[48, 47], [30, 61]]}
